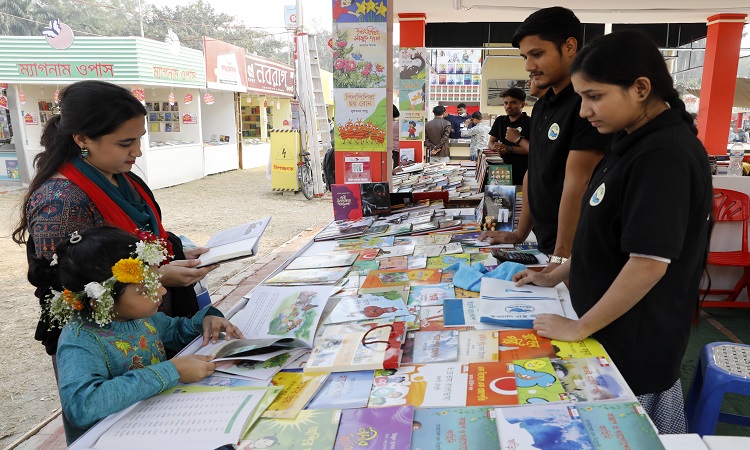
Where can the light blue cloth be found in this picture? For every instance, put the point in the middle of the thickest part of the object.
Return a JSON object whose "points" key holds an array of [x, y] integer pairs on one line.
{"points": [[470, 277]]}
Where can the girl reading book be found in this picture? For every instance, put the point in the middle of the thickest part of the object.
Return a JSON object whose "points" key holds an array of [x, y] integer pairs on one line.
{"points": [[636, 266], [112, 349]]}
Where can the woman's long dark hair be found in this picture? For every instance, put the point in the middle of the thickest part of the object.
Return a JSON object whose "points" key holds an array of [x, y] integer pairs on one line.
{"points": [[91, 259], [620, 58], [92, 108]]}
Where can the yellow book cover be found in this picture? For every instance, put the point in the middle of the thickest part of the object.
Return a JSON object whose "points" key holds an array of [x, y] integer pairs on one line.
{"points": [[298, 390]]}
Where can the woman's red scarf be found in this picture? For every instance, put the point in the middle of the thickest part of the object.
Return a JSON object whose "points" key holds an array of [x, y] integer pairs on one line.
{"points": [[112, 213]]}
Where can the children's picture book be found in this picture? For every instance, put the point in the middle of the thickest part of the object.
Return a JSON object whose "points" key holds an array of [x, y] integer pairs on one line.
{"points": [[396, 250], [586, 348], [361, 121], [477, 346], [546, 426], [261, 370], [311, 429], [491, 384], [288, 277], [384, 428], [354, 347], [523, 344], [505, 304], [613, 426], [347, 201], [388, 278], [537, 381], [369, 306], [416, 262], [435, 346], [365, 242], [375, 199], [229, 410], [234, 243], [499, 175], [393, 262], [429, 250], [454, 429], [344, 390], [431, 294], [340, 259], [420, 385], [591, 379], [280, 318], [297, 390], [443, 261]]}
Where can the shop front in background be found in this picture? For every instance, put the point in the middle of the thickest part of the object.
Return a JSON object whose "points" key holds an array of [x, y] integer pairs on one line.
{"points": [[156, 74]]}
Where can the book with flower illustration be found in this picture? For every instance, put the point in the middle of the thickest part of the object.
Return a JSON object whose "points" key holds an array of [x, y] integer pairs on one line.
{"points": [[234, 243]]}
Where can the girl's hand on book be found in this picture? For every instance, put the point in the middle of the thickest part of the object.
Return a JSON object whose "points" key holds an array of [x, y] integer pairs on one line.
{"points": [[183, 272], [195, 252], [193, 368], [213, 325], [553, 326]]}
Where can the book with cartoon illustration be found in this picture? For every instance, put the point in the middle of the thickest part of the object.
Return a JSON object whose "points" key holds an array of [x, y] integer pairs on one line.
{"points": [[344, 390], [552, 425], [537, 381], [437, 385], [587, 348], [523, 344], [310, 429], [369, 306], [591, 379], [454, 429], [435, 346], [384, 428], [278, 318], [388, 278], [431, 294], [297, 390]]}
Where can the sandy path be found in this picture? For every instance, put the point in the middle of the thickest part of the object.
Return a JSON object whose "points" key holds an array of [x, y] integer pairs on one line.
{"points": [[28, 393]]}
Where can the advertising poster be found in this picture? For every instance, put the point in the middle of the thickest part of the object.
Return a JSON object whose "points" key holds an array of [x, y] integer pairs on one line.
{"points": [[359, 55], [350, 11], [361, 120], [411, 125], [357, 169]]}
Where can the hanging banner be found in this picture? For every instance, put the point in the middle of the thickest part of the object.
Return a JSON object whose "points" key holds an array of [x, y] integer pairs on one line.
{"points": [[360, 119], [268, 77], [225, 66], [359, 55]]}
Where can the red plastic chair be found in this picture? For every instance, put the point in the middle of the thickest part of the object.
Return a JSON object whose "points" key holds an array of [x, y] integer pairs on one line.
{"points": [[731, 206]]}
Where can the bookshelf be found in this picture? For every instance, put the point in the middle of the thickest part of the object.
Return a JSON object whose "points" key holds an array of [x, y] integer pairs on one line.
{"points": [[163, 117], [251, 122]]}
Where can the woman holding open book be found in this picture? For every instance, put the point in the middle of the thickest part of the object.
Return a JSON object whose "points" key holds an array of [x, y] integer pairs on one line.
{"points": [[641, 242], [83, 179]]}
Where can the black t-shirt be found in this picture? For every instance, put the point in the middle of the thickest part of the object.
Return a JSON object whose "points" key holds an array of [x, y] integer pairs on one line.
{"points": [[651, 195], [556, 129], [520, 163]]}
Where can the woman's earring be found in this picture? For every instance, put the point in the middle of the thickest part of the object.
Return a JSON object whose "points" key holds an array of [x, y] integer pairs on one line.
{"points": [[84, 152]]}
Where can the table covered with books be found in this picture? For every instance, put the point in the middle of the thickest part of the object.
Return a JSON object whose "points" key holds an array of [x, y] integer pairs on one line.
{"points": [[375, 335]]}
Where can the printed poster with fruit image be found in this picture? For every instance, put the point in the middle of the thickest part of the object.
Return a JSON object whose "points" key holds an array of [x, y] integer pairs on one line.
{"points": [[361, 120], [360, 55]]}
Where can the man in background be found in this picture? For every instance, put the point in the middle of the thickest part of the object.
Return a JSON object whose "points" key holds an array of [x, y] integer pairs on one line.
{"points": [[479, 134], [458, 121], [437, 132], [510, 133]]}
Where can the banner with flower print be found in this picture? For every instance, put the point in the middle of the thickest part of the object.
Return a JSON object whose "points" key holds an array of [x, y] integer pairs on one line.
{"points": [[360, 55], [360, 120]]}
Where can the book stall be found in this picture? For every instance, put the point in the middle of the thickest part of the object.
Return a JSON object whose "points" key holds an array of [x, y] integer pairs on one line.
{"points": [[394, 328], [157, 74]]}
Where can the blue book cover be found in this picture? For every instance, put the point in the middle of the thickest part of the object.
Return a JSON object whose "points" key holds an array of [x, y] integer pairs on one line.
{"points": [[344, 390], [454, 429], [546, 426], [614, 426]]}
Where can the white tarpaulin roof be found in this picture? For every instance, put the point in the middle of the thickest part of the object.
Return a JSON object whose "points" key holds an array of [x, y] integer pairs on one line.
{"points": [[741, 93]]}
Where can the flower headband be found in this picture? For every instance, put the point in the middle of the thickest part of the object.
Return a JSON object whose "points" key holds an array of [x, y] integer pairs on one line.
{"points": [[62, 306]]}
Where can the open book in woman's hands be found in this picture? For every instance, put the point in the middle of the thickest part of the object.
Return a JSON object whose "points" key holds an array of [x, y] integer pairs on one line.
{"points": [[234, 243]]}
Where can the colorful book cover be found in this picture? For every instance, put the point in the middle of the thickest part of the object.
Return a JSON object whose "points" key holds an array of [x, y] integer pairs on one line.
{"points": [[443, 261], [403, 291], [586, 348], [361, 120], [340, 259], [499, 175], [407, 350], [361, 55], [353, 347], [416, 262], [431, 318], [368, 306], [347, 201], [548, 426], [431, 294], [310, 429], [426, 385], [491, 384], [376, 199], [298, 389], [344, 390], [523, 344], [613, 426], [536, 381], [381, 429], [394, 262], [364, 266], [591, 379], [435, 346], [354, 11], [308, 276], [388, 278], [499, 202], [477, 346], [362, 243], [454, 429]]}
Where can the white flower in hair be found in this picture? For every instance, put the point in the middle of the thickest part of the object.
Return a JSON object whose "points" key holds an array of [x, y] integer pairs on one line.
{"points": [[149, 253], [54, 260], [94, 290]]}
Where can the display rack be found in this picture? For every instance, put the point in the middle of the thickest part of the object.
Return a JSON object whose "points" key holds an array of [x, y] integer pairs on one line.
{"points": [[163, 117], [251, 122]]}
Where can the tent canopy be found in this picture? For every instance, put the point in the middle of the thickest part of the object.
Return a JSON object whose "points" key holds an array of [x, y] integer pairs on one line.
{"points": [[741, 93]]}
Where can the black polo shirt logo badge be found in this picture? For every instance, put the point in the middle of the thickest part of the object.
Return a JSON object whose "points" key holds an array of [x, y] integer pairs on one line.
{"points": [[554, 131], [598, 195]]}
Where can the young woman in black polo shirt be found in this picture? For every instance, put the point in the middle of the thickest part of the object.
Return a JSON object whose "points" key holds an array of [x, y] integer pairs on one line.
{"points": [[640, 247]]}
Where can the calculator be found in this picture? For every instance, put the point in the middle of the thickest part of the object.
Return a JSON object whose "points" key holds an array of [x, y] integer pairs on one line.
{"points": [[516, 257]]}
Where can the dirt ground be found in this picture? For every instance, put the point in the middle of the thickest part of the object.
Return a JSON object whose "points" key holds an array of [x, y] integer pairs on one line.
{"points": [[28, 393]]}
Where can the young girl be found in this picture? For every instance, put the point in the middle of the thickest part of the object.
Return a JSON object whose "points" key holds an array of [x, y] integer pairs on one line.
{"points": [[111, 352], [642, 236]]}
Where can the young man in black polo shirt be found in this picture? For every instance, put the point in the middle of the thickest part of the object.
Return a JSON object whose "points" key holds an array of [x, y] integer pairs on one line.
{"points": [[564, 148], [458, 120], [505, 137]]}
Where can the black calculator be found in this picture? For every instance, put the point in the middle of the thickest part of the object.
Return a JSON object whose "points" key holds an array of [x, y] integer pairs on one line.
{"points": [[516, 257]]}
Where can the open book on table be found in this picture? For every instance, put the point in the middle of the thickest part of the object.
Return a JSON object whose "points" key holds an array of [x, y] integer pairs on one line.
{"points": [[275, 319], [234, 243]]}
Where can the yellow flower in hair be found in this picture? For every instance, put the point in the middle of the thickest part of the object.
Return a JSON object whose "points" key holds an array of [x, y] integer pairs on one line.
{"points": [[129, 270]]}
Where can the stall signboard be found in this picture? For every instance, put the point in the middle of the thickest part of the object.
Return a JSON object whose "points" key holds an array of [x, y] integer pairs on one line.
{"points": [[269, 77], [30, 60], [225, 66]]}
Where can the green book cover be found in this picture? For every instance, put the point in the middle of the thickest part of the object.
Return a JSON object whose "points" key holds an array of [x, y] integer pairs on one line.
{"points": [[537, 381], [311, 429]]}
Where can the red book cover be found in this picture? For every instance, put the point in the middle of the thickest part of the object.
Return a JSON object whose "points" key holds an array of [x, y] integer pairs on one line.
{"points": [[347, 201], [491, 384], [523, 344]]}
